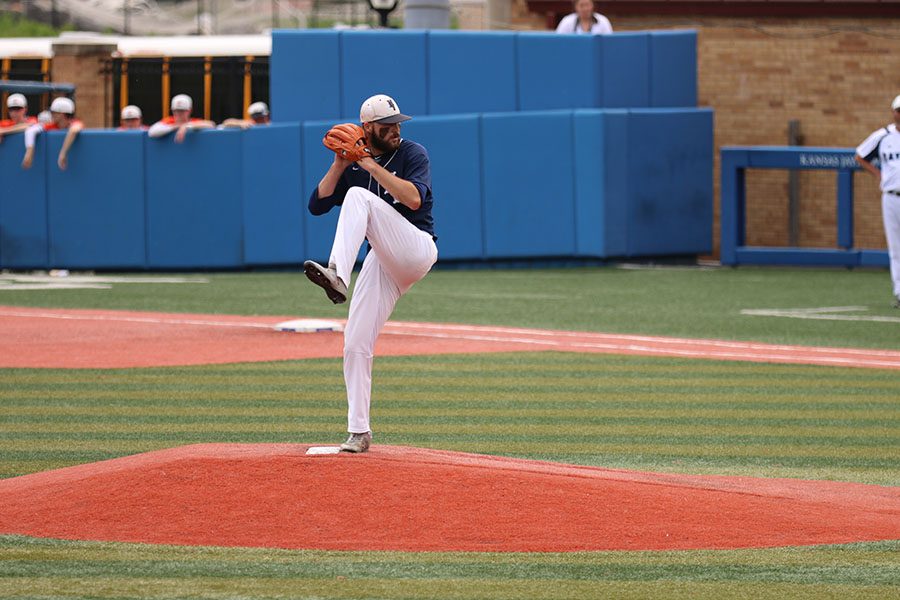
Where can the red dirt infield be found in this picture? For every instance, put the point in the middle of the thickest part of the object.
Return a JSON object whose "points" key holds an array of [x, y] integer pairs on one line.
{"points": [[409, 499], [83, 339]]}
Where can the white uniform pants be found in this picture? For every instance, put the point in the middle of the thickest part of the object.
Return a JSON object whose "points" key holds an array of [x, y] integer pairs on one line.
{"points": [[890, 212], [401, 254]]}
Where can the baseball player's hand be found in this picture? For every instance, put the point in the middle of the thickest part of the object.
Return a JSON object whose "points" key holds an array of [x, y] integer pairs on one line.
{"points": [[180, 134], [348, 141], [341, 163], [63, 162], [367, 163], [29, 157]]}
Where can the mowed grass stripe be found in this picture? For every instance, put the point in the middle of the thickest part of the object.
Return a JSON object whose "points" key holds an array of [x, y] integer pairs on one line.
{"points": [[425, 589], [550, 434], [510, 404], [29, 566]]}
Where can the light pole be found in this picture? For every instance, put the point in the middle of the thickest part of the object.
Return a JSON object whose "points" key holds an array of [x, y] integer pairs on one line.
{"points": [[383, 8]]}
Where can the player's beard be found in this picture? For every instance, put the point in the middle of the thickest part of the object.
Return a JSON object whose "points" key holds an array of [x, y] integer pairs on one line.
{"points": [[381, 144]]}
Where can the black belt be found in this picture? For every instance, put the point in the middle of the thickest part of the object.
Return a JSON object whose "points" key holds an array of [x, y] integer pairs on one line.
{"points": [[894, 192]]}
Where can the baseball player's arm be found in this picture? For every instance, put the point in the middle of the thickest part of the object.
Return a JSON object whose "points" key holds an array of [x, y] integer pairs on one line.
{"points": [[160, 129], [329, 182], [236, 124], [183, 129], [13, 129], [872, 169], [30, 136], [403, 191], [71, 134]]}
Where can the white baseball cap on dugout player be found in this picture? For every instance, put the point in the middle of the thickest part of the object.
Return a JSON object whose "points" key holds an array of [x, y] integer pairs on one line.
{"points": [[63, 105], [16, 101], [258, 108], [131, 112], [381, 109], [182, 102], [896, 103]]}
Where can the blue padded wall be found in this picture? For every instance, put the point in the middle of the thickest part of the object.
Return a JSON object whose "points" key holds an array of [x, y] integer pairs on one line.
{"points": [[96, 206], [528, 211], [602, 174], [304, 77], [590, 177], [670, 162], [486, 82], [194, 208], [673, 68], [23, 205], [554, 71], [453, 144], [622, 65], [384, 62], [616, 187], [273, 201]]}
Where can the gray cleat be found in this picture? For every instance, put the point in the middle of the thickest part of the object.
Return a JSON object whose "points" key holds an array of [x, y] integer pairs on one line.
{"points": [[357, 442], [327, 279], [896, 303]]}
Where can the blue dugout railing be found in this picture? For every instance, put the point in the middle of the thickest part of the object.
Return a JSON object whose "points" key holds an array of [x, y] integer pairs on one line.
{"points": [[734, 251]]}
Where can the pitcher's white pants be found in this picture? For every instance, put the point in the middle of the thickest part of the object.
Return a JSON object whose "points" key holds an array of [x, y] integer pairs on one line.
{"points": [[890, 212], [401, 254]]}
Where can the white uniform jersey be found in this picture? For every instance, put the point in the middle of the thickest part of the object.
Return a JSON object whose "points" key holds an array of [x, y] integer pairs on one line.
{"points": [[569, 24], [884, 144]]}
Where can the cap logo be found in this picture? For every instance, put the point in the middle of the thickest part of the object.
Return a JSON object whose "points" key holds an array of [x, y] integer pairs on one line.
{"points": [[391, 104]]}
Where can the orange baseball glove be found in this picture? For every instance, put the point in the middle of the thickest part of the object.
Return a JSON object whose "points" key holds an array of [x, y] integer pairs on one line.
{"points": [[348, 140]]}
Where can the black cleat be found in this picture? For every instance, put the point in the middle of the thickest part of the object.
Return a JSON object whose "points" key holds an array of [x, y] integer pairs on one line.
{"points": [[327, 279]]}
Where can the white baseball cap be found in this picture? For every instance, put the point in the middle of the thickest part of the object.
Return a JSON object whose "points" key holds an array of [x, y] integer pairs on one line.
{"points": [[44, 116], [131, 112], [896, 103], [182, 102], [16, 101], [381, 109], [63, 105], [258, 108]]}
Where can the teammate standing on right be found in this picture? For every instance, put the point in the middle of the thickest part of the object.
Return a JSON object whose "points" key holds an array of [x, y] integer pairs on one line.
{"points": [[884, 144]]}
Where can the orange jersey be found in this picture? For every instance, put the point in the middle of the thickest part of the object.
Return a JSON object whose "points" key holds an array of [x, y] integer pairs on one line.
{"points": [[10, 122], [170, 120], [54, 127]]}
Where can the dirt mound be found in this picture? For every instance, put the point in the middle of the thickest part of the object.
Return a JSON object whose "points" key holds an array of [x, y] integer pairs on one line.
{"points": [[398, 498]]}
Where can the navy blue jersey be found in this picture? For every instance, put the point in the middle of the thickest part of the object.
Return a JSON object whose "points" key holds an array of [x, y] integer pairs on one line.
{"points": [[409, 162]]}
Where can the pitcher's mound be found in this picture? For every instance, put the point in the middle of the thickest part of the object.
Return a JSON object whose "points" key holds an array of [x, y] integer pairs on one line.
{"points": [[397, 498]]}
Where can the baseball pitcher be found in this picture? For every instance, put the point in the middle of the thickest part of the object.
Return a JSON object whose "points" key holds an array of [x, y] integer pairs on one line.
{"points": [[382, 183]]}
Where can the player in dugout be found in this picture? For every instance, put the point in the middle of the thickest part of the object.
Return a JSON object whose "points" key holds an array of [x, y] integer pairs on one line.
{"points": [[180, 121], [62, 118], [258, 114], [18, 120], [131, 119]]}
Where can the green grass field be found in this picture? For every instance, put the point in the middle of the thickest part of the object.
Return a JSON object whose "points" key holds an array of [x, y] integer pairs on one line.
{"points": [[688, 416]]}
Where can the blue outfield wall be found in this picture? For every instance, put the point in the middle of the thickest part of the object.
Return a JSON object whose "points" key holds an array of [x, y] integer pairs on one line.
{"points": [[274, 208], [322, 75], [194, 196], [519, 185], [112, 212], [23, 206]]}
